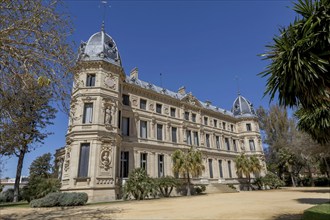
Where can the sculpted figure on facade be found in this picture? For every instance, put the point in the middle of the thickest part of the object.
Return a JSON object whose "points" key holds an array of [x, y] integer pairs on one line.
{"points": [[67, 159], [106, 158]]}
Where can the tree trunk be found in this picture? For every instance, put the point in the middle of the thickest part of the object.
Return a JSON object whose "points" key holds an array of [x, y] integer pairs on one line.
{"points": [[188, 185], [311, 175], [292, 179], [327, 166], [18, 174], [249, 183]]}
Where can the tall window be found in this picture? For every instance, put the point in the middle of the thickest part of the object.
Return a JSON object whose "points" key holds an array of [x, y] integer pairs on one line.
{"points": [[235, 146], [174, 135], [232, 128], [90, 81], [143, 161], [211, 168], [186, 116], [119, 119], [143, 104], [88, 113], [227, 143], [124, 157], [159, 132], [160, 165], [143, 129], [248, 127], [188, 133], [193, 117], [159, 108], [207, 140], [252, 146], [83, 160], [196, 140], [215, 122], [205, 120], [217, 141], [229, 169], [224, 125], [125, 99], [173, 112], [220, 168], [125, 127]]}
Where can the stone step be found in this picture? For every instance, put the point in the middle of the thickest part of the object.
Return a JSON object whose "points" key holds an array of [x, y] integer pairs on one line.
{"points": [[219, 188]]}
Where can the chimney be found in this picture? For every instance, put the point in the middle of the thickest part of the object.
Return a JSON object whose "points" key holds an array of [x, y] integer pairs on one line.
{"points": [[182, 90], [208, 103], [134, 73]]}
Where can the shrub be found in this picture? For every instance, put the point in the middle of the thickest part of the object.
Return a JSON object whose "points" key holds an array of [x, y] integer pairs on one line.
{"points": [[60, 199], [39, 187], [7, 196], [322, 181], [320, 212], [139, 185], [73, 199], [231, 186], [271, 180], [166, 185], [199, 189]]}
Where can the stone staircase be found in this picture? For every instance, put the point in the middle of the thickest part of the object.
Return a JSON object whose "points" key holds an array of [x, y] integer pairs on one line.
{"points": [[219, 188]]}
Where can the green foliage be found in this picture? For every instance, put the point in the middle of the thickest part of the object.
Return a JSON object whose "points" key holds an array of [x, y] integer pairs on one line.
{"points": [[60, 199], [231, 186], [166, 184], [270, 180], [247, 165], [299, 68], [319, 212], [7, 196], [199, 189], [188, 164], [42, 180], [139, 185]]}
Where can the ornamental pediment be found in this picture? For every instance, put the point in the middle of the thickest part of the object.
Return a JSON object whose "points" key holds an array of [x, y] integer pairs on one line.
{"points": [[192, 100]]}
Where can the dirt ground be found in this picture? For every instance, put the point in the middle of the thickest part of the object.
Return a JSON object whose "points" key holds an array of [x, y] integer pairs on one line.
{"points": [[287, 203]]}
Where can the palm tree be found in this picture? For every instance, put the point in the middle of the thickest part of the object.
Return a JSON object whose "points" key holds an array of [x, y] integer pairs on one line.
{"points": [[188, 164], [299, 68], [247, 165]]}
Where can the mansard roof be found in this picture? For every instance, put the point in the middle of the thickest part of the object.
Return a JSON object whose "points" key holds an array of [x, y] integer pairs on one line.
{"points": [[182, 97]]}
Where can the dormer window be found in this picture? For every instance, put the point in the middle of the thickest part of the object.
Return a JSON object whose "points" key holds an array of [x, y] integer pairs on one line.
{"points": [[90, 81], [248, 127]]}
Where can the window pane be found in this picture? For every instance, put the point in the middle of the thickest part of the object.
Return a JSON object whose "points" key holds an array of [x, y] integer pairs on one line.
{"points": [[220, 168], [211, 168], [159, 132], [143, 160], [174, 134], [125, 99], [229, 169], [143, 129], [207, 140], [252, 146], [186, 116], [83, 160], [196, 140], [124, 162], [159, 108], [88, 113], [217, 140], [188, 133], [160, 165], [227, 143], [90, 81], [215, 122], [125, 127], [205, 120], [173, 112], [193, 117], [248, 127], [143, 104]]}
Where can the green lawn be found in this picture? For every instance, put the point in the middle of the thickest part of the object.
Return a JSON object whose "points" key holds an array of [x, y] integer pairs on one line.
{"points": [[319, 212], [15, 205]]}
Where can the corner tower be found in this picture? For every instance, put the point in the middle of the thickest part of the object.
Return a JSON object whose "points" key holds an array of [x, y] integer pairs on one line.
{"points": [[93, 140]]}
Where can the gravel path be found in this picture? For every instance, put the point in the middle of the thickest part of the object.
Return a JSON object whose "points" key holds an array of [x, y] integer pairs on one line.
{"points": [[287, 203]]}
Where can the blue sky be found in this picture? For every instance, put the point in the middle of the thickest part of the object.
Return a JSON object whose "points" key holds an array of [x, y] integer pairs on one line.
{"points": [[201, 45]]}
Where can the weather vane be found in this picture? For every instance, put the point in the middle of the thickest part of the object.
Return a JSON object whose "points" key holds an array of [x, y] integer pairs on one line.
{"points": [[104, 3], [237, 83]]}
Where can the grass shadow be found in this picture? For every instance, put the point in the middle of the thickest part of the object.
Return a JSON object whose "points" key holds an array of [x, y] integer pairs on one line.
{"points": [[327, 190], [14, 205]]}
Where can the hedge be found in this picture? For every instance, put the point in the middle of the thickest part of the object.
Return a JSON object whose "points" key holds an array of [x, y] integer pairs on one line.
{"points": [[60, 199], [319, 212]]}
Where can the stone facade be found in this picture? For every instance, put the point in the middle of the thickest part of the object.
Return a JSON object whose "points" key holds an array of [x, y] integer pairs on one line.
{"points": [[118, 123]]}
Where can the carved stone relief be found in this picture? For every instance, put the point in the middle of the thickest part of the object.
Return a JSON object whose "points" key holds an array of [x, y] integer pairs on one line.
{"points": [[67, 159], [110, 81], [106, 159]]}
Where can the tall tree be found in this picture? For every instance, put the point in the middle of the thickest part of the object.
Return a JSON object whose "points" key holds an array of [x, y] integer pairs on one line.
{"points": [[188, 164], [300, 66], [25, 112], [42, 179], [33, 40]]}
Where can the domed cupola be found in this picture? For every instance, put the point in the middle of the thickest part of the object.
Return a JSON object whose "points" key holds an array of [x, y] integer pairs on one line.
{"points": [[100, 46], [242, 106]]}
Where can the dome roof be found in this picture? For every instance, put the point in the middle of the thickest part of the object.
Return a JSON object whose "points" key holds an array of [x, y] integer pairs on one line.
{"points": [[100, 46], [242, 106]]}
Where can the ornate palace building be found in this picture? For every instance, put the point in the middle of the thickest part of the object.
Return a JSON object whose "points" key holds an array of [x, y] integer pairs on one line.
{"points": [[119, 122]]}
